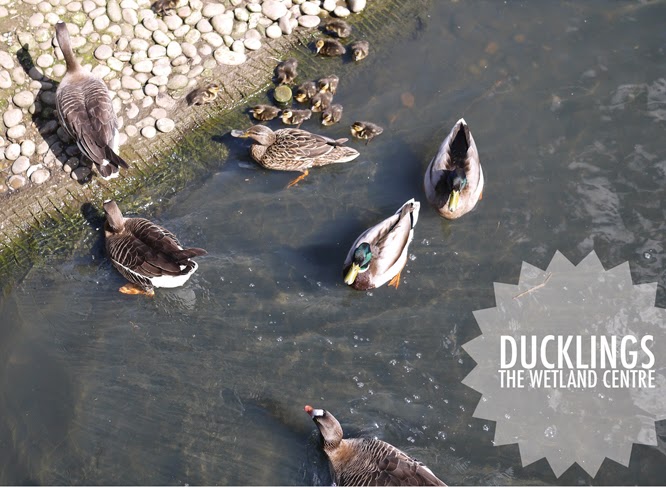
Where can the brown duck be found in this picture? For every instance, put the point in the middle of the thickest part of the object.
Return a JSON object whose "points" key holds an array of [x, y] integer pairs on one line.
{"points": [[202, 96], [367, 461], [264, 113], [285, 72]]}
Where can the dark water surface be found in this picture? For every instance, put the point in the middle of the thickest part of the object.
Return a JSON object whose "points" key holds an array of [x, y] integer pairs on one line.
{"points": [[206, 384]]}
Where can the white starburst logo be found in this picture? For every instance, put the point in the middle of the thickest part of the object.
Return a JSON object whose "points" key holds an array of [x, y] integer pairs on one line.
{"points": [[572, 364]]}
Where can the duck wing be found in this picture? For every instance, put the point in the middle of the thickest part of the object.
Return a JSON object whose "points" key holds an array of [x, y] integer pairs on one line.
{"points": [[301, 144]]}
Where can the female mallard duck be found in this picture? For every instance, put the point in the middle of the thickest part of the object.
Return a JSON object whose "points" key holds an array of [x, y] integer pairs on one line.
{"points": [[329, 47], [294, 149], [146, 254], [331, 115], [367, 461], [338, 28], [454, 179], [379, 254], [360, 50], [329, 84], [366, 131], [291, 116], [285, 72], [321, 101], [264, 113], [86, 113], [202, 96], [305, 92]]}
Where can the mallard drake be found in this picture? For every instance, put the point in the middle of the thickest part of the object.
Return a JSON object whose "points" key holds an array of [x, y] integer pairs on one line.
{"points": [[201, 96], [295, 117], [162, 7], [86, 113], [329, 47], [331, 115], [360, 50], [285, 72], [328, 84], [264, 112], [292, 149], [305, 92], [454, 178], [146, 254], [367, 461], [338, 28], [321, 101], [366, 130], [379, 254]]}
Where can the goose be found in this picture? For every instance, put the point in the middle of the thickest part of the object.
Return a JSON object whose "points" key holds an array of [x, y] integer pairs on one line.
{"points": [[367, 461], [145, 253], [86, 113]]}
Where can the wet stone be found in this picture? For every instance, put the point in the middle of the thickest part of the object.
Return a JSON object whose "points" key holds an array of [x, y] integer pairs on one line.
{"points": [[81, 173], [20, 165], [23, 99]]}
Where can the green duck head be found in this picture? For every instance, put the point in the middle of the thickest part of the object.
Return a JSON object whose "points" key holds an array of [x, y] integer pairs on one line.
{"points": [[360, 262]]}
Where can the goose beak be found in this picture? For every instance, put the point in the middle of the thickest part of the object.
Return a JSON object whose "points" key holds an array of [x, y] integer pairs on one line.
{"points": [[239, 133], [454, 200], [352, 274]]}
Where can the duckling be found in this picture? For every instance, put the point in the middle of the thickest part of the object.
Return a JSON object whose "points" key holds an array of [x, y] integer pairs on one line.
{"points": [[338, 28], [329, 83], [201, 96], [321, 101], [306, 91], [360, 50], [295, 117], [331, 115], [160, 7], [285, 72], [330, 47], [366, 130], [264, 112]]}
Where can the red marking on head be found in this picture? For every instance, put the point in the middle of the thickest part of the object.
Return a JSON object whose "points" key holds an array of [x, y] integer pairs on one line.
{"points": [[308, 409]]}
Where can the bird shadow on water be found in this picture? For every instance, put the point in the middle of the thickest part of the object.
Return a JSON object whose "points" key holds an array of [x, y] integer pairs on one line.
{"points": [[44, 118], [95, 220]]}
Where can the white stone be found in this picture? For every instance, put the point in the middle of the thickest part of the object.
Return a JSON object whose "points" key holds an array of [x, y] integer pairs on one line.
{"points": [[23, 99], [310, 8], [145, 66], [151, 90], [309, 21], [174, 49], [241, 14], [12, 117], [130, 16], [252, 44], [161, 70], [230, 58], [341, 11], [129, 83], [6, 60], [148, 132], [103, 52], [161, 38], [156, 51], [27, 148], [45, 60], [238, 46], [102, 22], [21, 164], [356, 5], [16, 132], [188, 49], [204, 26], [214, 39], [177, 82], [223, 24], [173, 22], [101, 71], [12, 152], [165, 125], [284, 25], [213, 9], [330, 5], [273, 9], [40, 176]]}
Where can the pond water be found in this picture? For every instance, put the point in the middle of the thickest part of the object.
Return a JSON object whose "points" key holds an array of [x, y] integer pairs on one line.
{"points": [[206, 384]]}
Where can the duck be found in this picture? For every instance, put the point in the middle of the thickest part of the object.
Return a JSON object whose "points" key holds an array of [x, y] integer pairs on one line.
{"points": [[366, 130], [202, 96], [331, 115], [146, 254], [264, 113], [305, 92], [360, 50], [161, 7], [454, 179], [285, 72], [291, 116], [291, 149], [321, 101], [367, 461], [379, 254], [328, 84], [329, 47], [86, 113], [338, 28]]}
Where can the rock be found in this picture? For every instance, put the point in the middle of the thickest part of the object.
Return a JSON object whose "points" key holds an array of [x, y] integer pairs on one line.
{"points": [[101, 71], [195, 72], [173, 22], [159, 80], [356, 5], [188, 49], [310, 8], [309, 21], [12, 117], [341, 11], [145, 66], [161, 38], [21, 165], [194, 18], [102, 22], [129, 83], [165, 101], [165, 125], [284, 26], [16, 182], [273, 9], [5, 79], [115, 64], [12, 152], [193, 36], [151, 90], [27, 148], [161, 70], [252, 44], [214, 39], [6, 60], [177, 82], [23, 99], [156, 51], [113, 11], [131, 130], [223, 24], [253, 7], [241, 14], [213, 9], [204, 26], [238, 47], [174, 49], [45, 60], [103, 52], [81, 173], [148, 132], [40, 176], [182, 31], [150, 23], [132, 111], [42, 148], [130, 16], [329, 5], [49, 127], [180, 60]]}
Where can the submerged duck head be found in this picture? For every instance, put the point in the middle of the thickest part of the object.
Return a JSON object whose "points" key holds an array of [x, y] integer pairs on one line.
{"points": [[329, 427], [115, 222], [262, 134], [360, 262]]}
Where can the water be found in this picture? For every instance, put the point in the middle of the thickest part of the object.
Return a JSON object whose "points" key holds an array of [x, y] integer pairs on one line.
{"points": [[206, 384]]}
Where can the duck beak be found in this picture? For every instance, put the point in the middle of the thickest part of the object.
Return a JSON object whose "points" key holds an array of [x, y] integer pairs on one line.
{"points": [[352, 274], [239, 133], [454, 199]]}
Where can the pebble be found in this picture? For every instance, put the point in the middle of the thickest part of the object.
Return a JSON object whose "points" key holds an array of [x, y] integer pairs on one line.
{"points": [[148, 132], [12, 117], [173, 22], [151, 90], [329, 5], [156, 51], [113, 11], [194, 18], [81, 173], [188, 49], [238, 46], [103, 52], [273, 9], [23, 99], [174, 49], [252, 44], [5, 80], [40, 176], [6, 61], [27, 148], [177, 82], [102, 22], [341, 11], [356, 5], [45, 60], [284, 26], [161, 38], [16, 182], [145, 66], [230, 58], [193, 36], [21, 164], [165, 125], [223, 24], [131, 130], [213, 9], [161, 70], [115, 64], [101, 71], [12, 152], [129, 83], [310, 8], [204, 26], [130, 16], [309, 21]]}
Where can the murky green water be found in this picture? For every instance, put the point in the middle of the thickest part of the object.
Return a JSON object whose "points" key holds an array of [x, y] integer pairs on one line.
{"points": [[206, 384]]}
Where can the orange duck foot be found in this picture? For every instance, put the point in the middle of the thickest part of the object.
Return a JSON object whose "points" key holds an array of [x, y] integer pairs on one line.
{"points": [[295, 181], [395, 282], [134, 289]]}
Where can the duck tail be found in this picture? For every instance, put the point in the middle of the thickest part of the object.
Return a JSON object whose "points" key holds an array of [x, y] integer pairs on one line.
{"points": [[183, 255]]}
